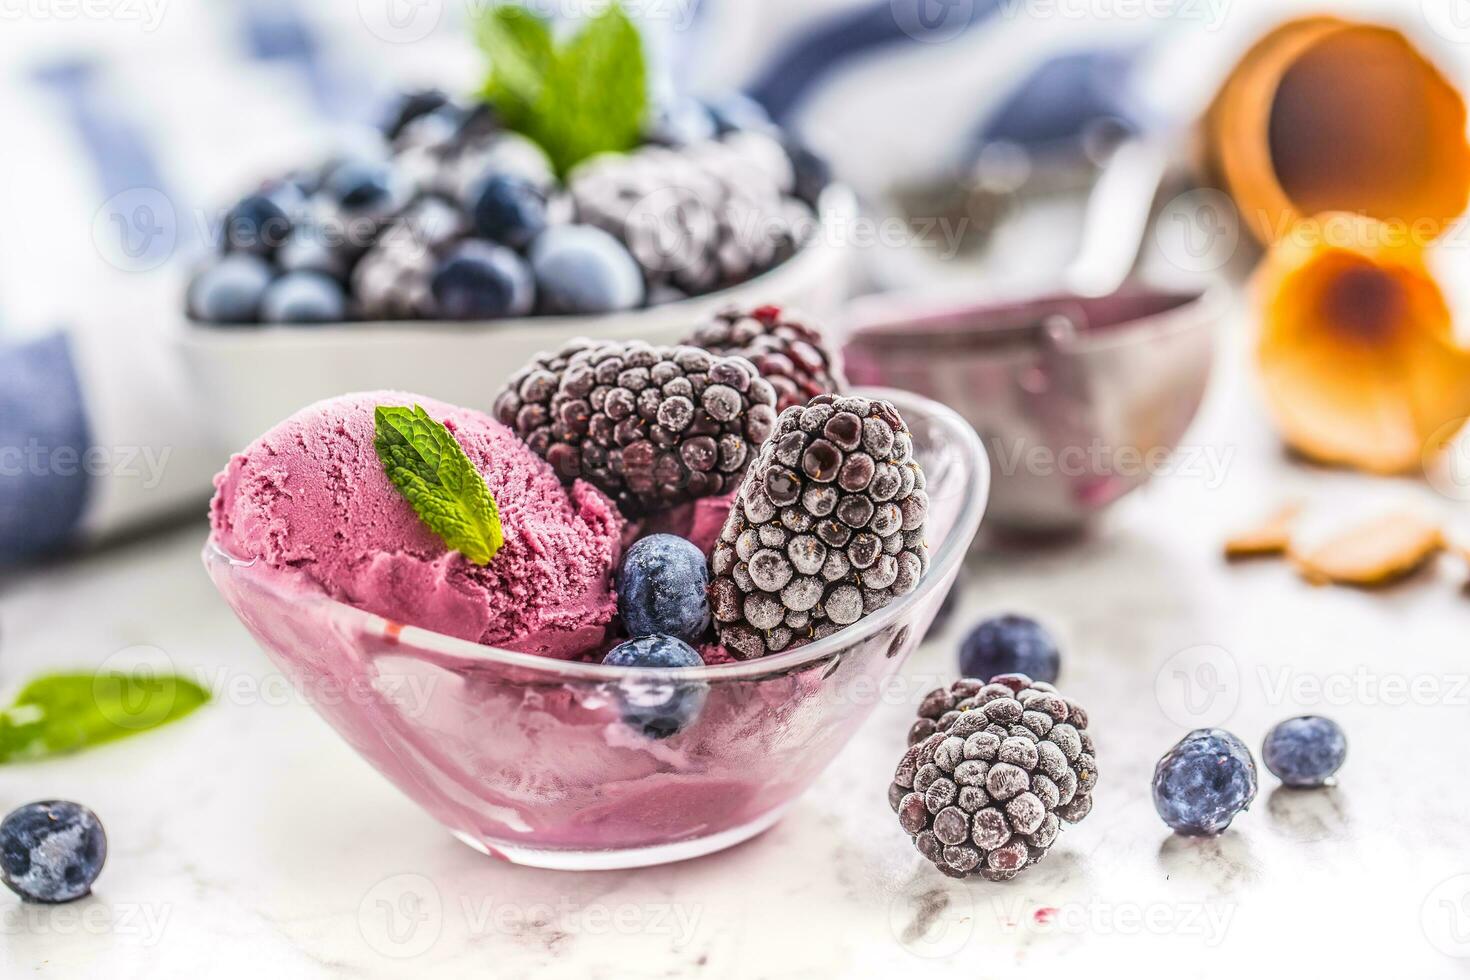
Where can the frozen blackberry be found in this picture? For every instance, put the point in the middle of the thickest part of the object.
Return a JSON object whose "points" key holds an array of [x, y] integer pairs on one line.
{"points": [[524, 404], [651, 427], [828, 527], [700, 217], [986, 792], [792, 355], [392, 279]]}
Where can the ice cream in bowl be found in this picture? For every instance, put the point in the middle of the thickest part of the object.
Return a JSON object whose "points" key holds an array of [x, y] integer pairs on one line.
{"points": [[629, 618]]}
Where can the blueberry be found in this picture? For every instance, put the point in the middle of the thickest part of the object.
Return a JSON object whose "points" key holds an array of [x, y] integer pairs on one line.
{"points": [[258, 224], [655, 706], [1010, 645], [514, 154], [584, 270], [361, 185], [409, 106], [1204, 781], [1304, 751], [51, 851], [230, 289], [303, 297], [481, 281], [662, 588], [508, 209]]}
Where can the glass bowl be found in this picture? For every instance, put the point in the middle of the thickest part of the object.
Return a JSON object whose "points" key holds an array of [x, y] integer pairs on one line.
{"points": [[531, 759]]}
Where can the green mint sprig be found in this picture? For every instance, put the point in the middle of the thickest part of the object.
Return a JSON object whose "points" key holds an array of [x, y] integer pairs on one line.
{"points": [[56, 714], [576, 99], [429, 468]]}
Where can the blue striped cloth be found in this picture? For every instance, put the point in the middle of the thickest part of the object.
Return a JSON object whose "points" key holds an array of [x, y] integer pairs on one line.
{"points": [[126, 137]]}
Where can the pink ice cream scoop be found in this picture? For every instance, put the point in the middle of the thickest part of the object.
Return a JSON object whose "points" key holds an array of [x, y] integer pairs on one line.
{"points": [[311, 496]]}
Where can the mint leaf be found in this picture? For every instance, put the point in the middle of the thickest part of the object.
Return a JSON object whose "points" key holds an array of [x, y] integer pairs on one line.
{"points": [[430, 469], [523, 53], [60, 713], [584, 97], [598, 94]]}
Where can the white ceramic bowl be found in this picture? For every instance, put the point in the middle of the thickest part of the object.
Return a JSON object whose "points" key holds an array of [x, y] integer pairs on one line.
{"points": [[249, 378]]}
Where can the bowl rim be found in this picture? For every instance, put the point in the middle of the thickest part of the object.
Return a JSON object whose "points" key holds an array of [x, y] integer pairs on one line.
{"points": [[1203, 305], [837, 207], [943, 560]]}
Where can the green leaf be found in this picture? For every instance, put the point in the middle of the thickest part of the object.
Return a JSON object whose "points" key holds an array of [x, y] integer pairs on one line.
{"points": [[522, 53], [60, 713], [598, 94], [432, 472], [584, 97]]}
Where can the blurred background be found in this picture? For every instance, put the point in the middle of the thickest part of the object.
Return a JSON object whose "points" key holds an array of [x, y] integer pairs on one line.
{"points": [[995, 150]]}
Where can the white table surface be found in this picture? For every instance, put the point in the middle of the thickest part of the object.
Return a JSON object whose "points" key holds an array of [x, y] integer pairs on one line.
{"points": [[249, 841]]}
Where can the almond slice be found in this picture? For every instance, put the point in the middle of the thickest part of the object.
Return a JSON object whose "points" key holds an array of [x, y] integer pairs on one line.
{"points": [[1375, 552], [1271, 537]]}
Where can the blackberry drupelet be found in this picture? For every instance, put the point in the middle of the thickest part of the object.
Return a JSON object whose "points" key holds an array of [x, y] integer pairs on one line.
{"points": [[794, 356], [987, 791], [828, 527], [652, 427]]}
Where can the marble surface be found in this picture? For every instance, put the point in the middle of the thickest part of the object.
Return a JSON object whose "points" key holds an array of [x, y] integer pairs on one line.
{"points": [[249, 840]]}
